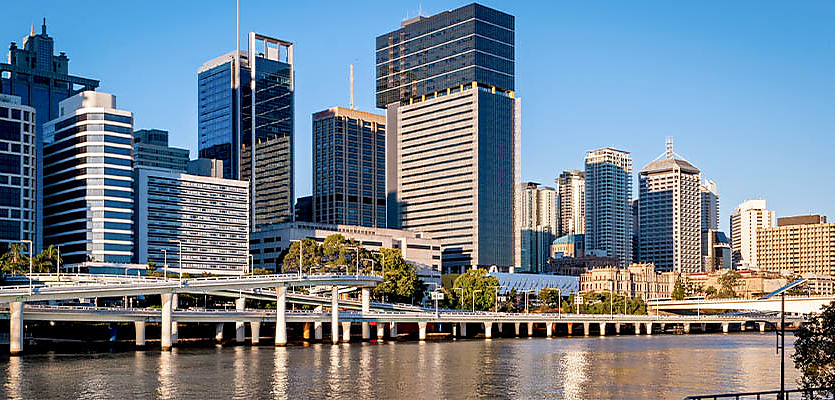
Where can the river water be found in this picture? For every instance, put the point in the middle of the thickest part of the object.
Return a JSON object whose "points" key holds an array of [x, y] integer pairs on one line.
{"points": [[614, 367]]}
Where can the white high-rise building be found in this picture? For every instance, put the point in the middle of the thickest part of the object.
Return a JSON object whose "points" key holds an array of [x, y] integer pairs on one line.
{"points": [[609, 204], [571, 202], [536, 218], [670, 214], [746, 219]]}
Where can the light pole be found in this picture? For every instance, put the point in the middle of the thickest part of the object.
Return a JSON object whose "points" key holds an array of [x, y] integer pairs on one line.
{"points": [[497, 298], [559, 306], [29, 245], [358, 261], [180, 259], [612, 300], [300, 254], [526, 298], [474, 292], [58, 263], [435, 296], [165, 263]]}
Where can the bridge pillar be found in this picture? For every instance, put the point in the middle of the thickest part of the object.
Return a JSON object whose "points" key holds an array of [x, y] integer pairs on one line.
{"points": [[240, 327], [306, 330], [421, 330], [255, 328], [393, 330], [530, 329], [742, 326], [366, 307], [175, 301], [488, 330], [463, 332], [762, 326], [649, 328], [334, 315], [500, 325], [725, 327], [16, 328], [454, 330], [663, 327], [317, 330], [617, 328], [586, 328], [602, 329], [381, 331], [704, 327], [175, 329], [280, 317], [346, 332], [686, 328], [637, 328], [139, 327], [516, 328], [549, 329], [165, 329], [570, 327], [219, 332]]}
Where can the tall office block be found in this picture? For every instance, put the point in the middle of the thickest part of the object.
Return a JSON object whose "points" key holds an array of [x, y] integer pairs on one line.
{"points": [[349, 168], [710, 215], [608, 204], [207, 218], [452, 128], [17, 171], [88, 195], [150, 149], [41, 80], [750, 216], [536, 216], [670, 214], [229, 124], [571, 202], [800, 245]]}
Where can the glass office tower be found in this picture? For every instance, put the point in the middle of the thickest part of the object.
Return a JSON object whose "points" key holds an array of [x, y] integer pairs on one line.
{"points": [[17, 172], [229, 124], [452, 135], [609, 204], [41, 80], [88, 181]]}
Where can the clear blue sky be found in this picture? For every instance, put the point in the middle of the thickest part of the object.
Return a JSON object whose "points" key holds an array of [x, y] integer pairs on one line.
{"points": [[746, 88]]}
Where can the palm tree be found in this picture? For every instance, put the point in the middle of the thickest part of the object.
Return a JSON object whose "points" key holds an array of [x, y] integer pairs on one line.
{"points": [[14, 259], [47, 259]]}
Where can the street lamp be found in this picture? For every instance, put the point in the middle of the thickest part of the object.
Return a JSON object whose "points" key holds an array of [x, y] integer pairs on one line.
{"points": [[29, 245], [58, 263], [300, 254], [180, 259], [497, 297], [372, 263], [474, 292], [165, 263], [526, 298]]}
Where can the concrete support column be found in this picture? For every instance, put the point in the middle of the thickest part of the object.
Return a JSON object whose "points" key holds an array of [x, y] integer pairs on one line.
{"points": [[16, 328], [393, 330], [366, 307], [454, 330], [602, 329], [334, 315], [175, 301], [175, 329], [742, 326], [219, 332], [762, 326], [530, 328], [704, 327], [637, 328], [586, 328], [617, 328], [421, 330], [463, 332], [381, 331], [488, 330], [165, 329], [686, 328], [549, 329], [306, 330], [500, 326], [317, 330], [255, 328], [280, 316], [649, 328], [725, 327], [516, 328], [346, 332], [240, 327], [139, 327], [663, 327]]}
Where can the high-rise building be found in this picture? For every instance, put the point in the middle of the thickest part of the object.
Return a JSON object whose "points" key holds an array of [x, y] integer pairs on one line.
{"points": [[710, 216], [746, 220], [608, 204], [205, 219], [17, 171], [150, 149], [801, 245], [41, 80], [304, 209], [571, 202], [670, 214], [349, 168], [452, 130], [88, 195], [536, 222], [228, 123]]}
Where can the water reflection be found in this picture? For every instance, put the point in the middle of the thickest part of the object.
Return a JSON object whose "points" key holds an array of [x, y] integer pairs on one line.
{"points": [[14, 373], [281, 383], [166, 388]]}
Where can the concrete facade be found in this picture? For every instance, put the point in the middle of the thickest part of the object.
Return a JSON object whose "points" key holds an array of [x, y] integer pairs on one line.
{"points": [[638, 280], [536, 226], [608, 204], [745, 222], [571, 202], [150, 148], [800, 248]]}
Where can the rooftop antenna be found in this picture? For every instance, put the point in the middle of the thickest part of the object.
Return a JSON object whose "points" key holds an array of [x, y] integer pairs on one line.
{"points": [[43, 27], [352, 86], [669, 147]]}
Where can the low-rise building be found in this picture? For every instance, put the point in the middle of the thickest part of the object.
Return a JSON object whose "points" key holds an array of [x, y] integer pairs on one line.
{"points": [[267, 244], [750, 284], [576, 266], [571, 245], [637, 280], [820, 285], [203, 218]]}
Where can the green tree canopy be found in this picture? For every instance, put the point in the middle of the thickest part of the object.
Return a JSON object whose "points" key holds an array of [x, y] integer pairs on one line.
{"points": [[475, 283], [678, 290], [728, 283], [400, 281], [814, 349], [311, 256]]}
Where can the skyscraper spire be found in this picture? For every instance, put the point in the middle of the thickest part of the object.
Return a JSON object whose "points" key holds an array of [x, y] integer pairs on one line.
{"points": [[669, 147], [43, 27]]}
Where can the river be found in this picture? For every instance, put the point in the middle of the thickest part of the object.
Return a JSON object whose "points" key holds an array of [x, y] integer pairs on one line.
{"points": [[612, 367]]}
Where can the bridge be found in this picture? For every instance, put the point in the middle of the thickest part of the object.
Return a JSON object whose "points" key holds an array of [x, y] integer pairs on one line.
{"points": [[794, 304]]}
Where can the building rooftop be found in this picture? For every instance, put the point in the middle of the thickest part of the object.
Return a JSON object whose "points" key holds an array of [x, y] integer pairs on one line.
{"points": [[536, 282], [571, 238], [670, 165]]}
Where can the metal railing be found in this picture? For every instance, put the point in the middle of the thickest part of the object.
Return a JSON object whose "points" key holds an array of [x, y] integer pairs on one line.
{"points": [[811, 393]]}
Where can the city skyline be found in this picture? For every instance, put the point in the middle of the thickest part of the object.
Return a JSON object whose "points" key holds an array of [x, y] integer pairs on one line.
{"points": [[713, 89]]}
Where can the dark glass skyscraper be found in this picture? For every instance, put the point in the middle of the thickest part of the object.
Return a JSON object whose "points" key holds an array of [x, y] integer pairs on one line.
{"points": [[228, 123], [452, 132], [41, 80]]}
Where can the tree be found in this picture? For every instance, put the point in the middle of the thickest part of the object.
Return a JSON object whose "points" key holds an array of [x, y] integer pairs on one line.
{"points": [[337, 251], [710, 291], [400, 282], [678, 290], [728, 283], [46, 260], [549, 299], [311, 256], [476, 284], [14, 261], [814, 350]]}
